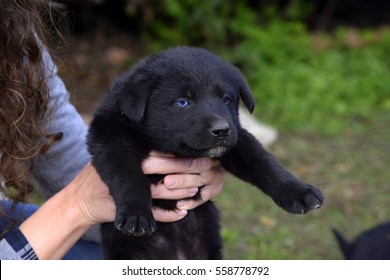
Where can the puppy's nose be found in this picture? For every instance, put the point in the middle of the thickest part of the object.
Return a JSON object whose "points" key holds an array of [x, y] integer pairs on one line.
{"points": [[220, 129]]}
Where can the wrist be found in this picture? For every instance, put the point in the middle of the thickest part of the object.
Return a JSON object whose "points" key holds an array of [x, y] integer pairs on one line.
{"points": [[55, 227], [91, 197], [76, 207]]}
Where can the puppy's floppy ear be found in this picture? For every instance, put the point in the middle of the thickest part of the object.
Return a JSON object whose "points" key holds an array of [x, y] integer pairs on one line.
{"points": [[246, 95], [134, 94]]}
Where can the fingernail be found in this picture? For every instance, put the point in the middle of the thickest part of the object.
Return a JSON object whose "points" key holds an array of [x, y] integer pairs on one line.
{"points": [[180, 204], [182, 212], [170, 182], [193, 190]]}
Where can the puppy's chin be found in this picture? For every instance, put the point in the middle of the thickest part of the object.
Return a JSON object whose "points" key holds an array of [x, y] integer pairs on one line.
{"points": [[216, 152], [212, 152]]}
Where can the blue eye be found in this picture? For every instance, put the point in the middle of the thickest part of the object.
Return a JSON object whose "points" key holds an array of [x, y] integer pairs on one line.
{"points": [[182, 103], [226, 99]]}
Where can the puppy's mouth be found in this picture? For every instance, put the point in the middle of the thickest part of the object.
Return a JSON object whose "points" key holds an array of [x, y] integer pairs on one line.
{"points": [[216, 152], [212, 152]]}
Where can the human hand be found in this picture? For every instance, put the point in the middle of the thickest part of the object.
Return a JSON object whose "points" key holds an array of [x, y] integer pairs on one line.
{"points": [[92, 196], [185, 178]]}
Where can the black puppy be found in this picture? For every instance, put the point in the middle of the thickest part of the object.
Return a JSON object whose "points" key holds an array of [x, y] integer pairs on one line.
{"points": [[183, 101], [373, 244]]}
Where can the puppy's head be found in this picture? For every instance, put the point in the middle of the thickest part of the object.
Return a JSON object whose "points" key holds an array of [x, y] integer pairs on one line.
{"points": [[186, 100]]}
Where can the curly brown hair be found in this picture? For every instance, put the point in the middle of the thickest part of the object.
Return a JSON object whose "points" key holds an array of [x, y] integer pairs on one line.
{"points": [[24, 95]]}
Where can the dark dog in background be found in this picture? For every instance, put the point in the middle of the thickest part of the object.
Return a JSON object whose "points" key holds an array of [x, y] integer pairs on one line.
{"points": [[183, 101], [373, 244]]}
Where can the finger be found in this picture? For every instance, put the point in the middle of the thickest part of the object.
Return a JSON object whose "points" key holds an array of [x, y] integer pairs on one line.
{"points": [[169, 165], [160, 191], [189, 204], [175, 181], [214, 176], [166, 216], [206, 193], [211, 191]]}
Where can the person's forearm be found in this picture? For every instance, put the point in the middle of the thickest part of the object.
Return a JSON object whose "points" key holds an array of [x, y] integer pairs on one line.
{"points": [[56, 226]]}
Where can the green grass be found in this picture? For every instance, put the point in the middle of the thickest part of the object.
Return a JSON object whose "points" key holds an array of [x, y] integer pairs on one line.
{"points": [[352, 171]]}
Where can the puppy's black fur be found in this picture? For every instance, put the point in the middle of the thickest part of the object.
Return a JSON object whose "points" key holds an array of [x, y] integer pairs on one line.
{"points": [[372, 244], [183, 101]]}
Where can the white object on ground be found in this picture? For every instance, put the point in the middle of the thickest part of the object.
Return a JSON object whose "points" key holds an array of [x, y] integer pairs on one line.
{"points": [[266, 134]]}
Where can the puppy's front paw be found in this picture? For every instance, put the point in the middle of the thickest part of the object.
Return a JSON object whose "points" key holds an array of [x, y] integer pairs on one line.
{"points": [[299, 198], [136, 225]]}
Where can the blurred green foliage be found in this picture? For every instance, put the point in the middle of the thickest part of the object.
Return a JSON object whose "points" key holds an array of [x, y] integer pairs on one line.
{"points": [[302, 82]]}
